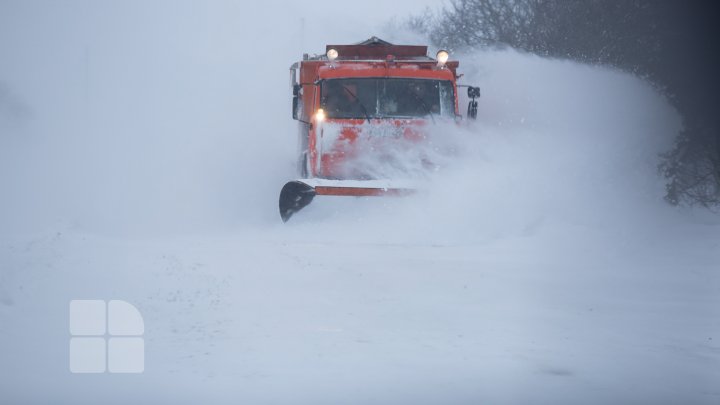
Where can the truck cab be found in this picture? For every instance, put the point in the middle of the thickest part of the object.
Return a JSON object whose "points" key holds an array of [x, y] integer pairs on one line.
{"points": [[357, 99], [371, 89]]}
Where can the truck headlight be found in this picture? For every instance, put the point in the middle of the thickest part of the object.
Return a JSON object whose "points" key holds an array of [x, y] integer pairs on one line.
{"points": [[442, 57], [320, 115]]}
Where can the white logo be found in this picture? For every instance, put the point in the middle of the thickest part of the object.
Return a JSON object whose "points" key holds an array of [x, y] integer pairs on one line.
{"points": [[106, 335]]}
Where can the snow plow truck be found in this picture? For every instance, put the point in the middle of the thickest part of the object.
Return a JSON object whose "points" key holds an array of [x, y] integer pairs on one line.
{"points": [[354, 93]]}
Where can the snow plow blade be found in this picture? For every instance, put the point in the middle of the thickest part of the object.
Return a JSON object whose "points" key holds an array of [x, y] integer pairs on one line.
{"points": [[298, 194], [294, 196]]}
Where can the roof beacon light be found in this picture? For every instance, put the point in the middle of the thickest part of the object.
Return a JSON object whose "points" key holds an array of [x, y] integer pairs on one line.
{"points": [[332, 54], [442, 57]]}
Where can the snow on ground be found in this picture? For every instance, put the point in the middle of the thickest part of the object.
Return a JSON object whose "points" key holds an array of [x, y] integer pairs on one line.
{"points": [[142, 153]]}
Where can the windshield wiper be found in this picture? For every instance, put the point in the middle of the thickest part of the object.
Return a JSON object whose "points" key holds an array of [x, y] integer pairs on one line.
{"points": [[423, 104], [364, 110]]}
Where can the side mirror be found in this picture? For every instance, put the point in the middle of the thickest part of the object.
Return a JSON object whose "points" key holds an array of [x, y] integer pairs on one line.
{"points": [[473, 93]]}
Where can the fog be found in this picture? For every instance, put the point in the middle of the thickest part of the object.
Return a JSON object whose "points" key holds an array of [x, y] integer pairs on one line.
{"points": [[143, 146], [149, 112]]}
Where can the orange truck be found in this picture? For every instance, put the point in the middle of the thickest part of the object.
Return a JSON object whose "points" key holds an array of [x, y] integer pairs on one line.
{"points": [[355, 95]]}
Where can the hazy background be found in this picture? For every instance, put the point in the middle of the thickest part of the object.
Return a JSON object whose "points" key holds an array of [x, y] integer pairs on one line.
{"points": [[142, 149], [153, 111]]}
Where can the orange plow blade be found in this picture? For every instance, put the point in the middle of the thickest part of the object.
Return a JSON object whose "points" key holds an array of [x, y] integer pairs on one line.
{"points": [[298, 194]]}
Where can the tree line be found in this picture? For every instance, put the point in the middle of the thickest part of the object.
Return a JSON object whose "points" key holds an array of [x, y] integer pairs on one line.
{"points": [[673, 44]]}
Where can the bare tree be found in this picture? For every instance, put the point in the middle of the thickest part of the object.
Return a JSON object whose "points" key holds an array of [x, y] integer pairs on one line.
{"points": [[672, 44]]}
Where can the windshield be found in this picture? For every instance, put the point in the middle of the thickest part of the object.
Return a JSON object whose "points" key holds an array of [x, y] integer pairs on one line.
{"points": [[387, 98]]}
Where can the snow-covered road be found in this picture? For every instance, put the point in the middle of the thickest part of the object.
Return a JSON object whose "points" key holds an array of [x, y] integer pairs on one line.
{"points": [[253, 319]]}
